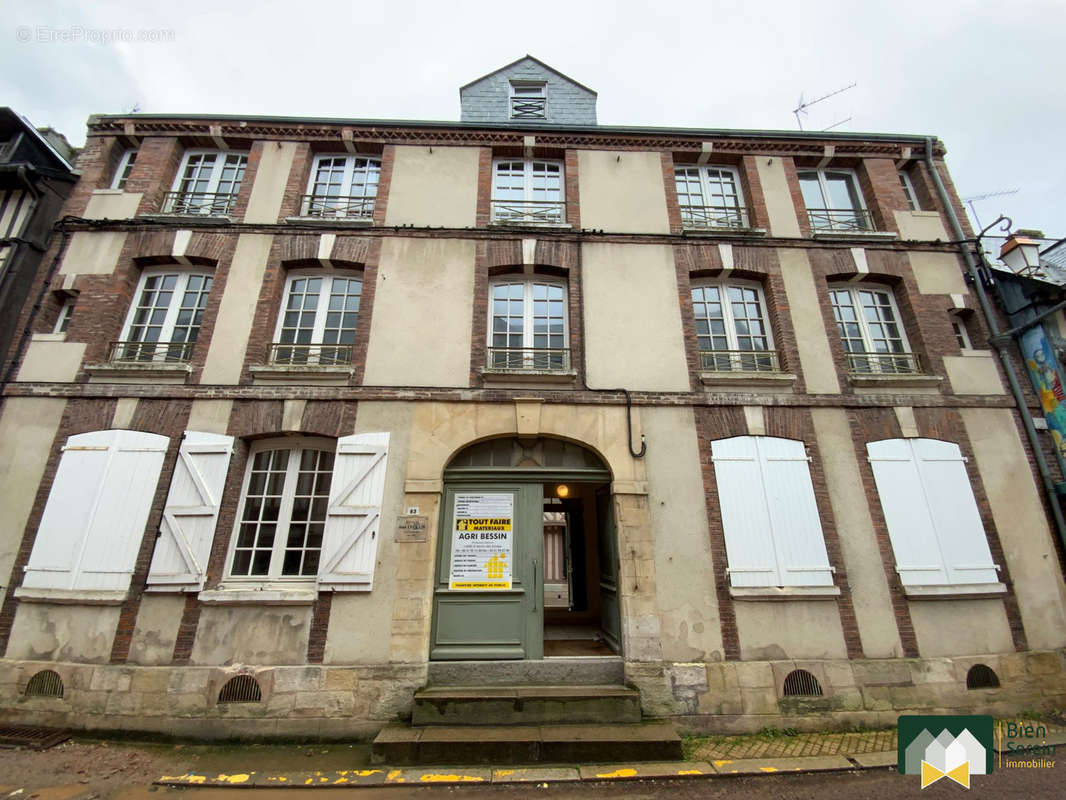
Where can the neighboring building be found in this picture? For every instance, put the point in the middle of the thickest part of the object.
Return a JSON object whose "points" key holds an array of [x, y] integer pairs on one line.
{"points": [[345, 402], [35, 179]]}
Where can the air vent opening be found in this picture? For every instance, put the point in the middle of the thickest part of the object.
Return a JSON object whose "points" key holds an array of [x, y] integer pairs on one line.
{"points": [[982, 676], [801, 683], [241, 689], [45, 683]]}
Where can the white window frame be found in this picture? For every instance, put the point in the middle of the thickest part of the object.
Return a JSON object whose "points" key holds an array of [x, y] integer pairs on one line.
{"points": [[830, 224], [66, 311], [853, 290], [908, 190], [962, 333], [513, 96], [732, 358], [712, 216], [530, 361], [217, 169], [125, 164], [321, 312], [344, 204], [526, 213], [166, 335], [295, 446]]}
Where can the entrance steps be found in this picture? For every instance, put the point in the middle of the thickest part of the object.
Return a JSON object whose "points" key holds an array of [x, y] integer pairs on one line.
{"points": [[525, 705], [596, 671]]}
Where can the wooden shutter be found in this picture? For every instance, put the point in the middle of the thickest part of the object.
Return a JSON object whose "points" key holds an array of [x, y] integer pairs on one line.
{"points": [[97, 509], [188, 526], [349, 545], [746, 521]]}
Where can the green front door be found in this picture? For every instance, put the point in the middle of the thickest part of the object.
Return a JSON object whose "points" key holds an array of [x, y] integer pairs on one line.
{"points": [[488, 591]]}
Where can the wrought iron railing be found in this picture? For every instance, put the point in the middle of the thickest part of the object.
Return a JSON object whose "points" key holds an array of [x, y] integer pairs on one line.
{"points": [[528, 107], [325, 355], [529, 359], [150, 352], [321, 205], [703, 217], [839, 220], [211, 203], [739, 361], [529, 212], [884, 363]]}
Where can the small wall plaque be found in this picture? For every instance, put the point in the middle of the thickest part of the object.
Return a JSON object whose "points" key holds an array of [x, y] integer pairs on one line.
{"points": [[411, 528]]}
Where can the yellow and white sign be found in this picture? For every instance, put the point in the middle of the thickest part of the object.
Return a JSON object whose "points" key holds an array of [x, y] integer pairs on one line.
{"points": [[482, 541]]}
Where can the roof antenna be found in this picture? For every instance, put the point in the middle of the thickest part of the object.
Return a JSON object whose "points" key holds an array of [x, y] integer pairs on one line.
{"points": [[802, 106], [974, 198]]}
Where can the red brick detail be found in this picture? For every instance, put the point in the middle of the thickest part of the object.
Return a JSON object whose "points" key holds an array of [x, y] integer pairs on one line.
{"points": [[572, 189], [316, 640], [388, 164], [158, 160], [758, 216], [296, 182], [792, 177], [673, 207], [879, 182], [190, 621], [255, 155], [484, 187]]}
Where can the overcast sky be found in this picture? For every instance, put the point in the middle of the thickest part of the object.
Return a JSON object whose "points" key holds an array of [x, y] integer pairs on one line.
{"points": [[988, 78]]}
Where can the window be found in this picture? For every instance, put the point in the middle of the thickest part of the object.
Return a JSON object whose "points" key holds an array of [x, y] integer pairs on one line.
{"points": [[207, 183], [932, 517], [311, 509], [342, 186], [731, 330], [318, 319], [528, 192], [165, 318], [833, 200], [773, 532], [125, 165], [908, 191], [66, 311], [710, 197], [962, 336], [527, 326], [529, 100], [874, 342]]}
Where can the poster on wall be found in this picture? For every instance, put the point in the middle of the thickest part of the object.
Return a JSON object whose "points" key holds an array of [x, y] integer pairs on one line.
{"points": [[1046, 374], [482, 541]]}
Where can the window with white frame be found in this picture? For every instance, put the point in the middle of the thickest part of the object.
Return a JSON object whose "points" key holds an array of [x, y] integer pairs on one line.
{"points": [[773, 532], [731, 328], [165, 318], [207, 183], [528, 191], [66, 311], [710, 197], [962, 335], [937, 535], [527, 325], [868, 323], [342, 186], [125, 166], [908, 191], [318, 318], [834, 202], [528, 100]]}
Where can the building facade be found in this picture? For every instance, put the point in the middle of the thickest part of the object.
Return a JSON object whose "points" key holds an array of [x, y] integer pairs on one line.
{"points": [[345, 407]]}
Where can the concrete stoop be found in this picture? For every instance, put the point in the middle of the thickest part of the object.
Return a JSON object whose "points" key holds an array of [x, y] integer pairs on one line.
{"points": [[525, 705]]}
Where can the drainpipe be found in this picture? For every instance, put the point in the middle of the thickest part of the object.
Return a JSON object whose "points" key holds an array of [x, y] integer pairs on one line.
{"points": [[1000, 343]]}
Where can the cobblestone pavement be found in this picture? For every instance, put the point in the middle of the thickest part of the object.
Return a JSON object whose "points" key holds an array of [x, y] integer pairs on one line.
{"points": [[784, 746]]}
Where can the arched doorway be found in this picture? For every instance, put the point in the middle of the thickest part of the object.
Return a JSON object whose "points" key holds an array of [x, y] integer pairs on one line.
{"points": [[527, 560]]}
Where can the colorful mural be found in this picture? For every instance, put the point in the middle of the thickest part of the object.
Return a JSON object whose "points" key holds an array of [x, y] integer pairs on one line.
{"points": [[1046, 373]]}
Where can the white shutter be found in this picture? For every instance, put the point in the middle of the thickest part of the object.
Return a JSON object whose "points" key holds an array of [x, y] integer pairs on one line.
{"points": [[188, 526], [97, 509], [745, 518], [350, 541], [794, 518], [907, 513]]}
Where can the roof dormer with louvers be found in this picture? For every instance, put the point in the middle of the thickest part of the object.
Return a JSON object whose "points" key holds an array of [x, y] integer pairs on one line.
{"points": [[527, 91]]}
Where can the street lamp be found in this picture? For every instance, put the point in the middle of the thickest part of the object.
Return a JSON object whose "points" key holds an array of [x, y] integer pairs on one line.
{"points": [[1021, 254]]}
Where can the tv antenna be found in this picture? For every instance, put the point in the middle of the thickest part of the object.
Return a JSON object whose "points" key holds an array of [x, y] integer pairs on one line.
{"points": [[802, 106], [974, 198]]}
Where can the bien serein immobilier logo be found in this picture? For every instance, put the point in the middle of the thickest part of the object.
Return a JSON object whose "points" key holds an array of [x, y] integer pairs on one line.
{"points": [[953, 747]]}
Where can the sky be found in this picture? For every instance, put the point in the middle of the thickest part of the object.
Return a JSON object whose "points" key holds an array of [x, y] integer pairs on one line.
{"points": [[987, 78]]}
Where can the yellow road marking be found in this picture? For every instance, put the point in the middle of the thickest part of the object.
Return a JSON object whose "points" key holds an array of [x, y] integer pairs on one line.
{"points": [[768, 769], [432, 777], [690, 772], [625, 772]]}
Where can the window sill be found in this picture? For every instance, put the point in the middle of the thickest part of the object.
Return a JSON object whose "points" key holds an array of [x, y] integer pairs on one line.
{"points": [[331, 222], [81, 597], [779, 593], [563, 378], [719, 233], [48, 337], [957, 591], [336, 375], [529, 224], [863, 379], [306, 595], [190, 219], [134, 372], [862, 236], [738, 381]]}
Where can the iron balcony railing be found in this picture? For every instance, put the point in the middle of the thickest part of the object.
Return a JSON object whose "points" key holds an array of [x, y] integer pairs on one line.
{"points": [[210, 203], [321, 205], [714, 217], [528, 107], [840, 220], [326, 355], [884, 363], [529, 359], [739, 361], [150, 352], [529, 212]]}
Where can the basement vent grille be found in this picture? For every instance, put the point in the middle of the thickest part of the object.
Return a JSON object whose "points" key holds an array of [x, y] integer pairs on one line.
{"points": [[981, 676], [241, 689], [801, 683], [45, 683]]}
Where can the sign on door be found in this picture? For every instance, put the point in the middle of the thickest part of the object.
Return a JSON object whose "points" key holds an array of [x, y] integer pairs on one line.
{"points": [[482, 541]]}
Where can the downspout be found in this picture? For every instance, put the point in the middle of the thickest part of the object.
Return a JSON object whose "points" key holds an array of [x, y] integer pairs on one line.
{"points": [[1000, 343]]}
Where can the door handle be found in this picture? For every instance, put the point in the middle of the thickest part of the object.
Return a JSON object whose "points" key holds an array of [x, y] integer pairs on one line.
{"points": [[534, 585]]}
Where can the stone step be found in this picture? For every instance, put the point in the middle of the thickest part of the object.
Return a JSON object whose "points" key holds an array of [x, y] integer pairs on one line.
{"points": [[400, 745], [525, 705], [594, 671]]}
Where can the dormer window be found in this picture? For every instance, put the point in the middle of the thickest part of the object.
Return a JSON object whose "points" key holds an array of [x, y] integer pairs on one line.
{"points": [[529, 100]]}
